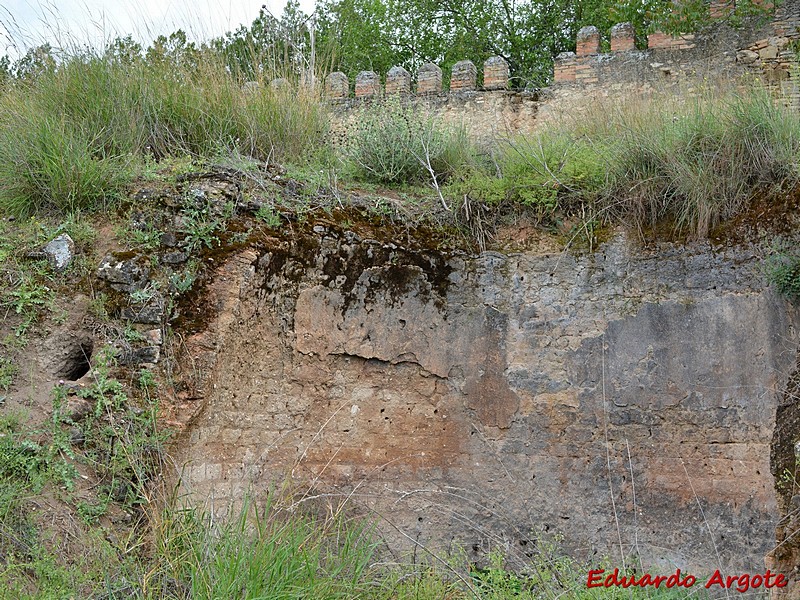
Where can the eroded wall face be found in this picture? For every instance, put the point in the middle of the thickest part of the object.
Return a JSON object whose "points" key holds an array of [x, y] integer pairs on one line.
{"points": [[627, 394]]}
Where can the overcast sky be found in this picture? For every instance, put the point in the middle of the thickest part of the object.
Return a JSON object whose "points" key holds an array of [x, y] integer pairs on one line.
{"points": [[26, 23]]}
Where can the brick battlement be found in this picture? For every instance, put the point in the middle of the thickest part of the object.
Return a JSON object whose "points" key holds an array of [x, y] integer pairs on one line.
{"points": [[666, 56], [463, 78], [686, 63]]}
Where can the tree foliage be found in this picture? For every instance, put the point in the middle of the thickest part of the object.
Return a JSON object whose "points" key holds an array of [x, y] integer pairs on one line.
{"points": [[377, 34], [357, 35]]}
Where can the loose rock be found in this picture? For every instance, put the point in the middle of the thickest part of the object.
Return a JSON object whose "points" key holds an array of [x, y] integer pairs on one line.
{"points": [[60, 251]]}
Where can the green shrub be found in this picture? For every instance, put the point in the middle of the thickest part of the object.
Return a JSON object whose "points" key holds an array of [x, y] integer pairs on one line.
{"points": [[554, 165], [544, 172], [783, 268], [394, 143]]}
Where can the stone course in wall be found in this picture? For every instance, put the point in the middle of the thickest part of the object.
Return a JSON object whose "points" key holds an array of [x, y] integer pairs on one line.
{"points": [[598, 396], [664, 41], [719, 9]]}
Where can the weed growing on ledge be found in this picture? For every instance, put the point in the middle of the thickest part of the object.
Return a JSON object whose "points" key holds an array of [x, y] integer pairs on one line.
{"points": [[268, 216], [782, 268]]}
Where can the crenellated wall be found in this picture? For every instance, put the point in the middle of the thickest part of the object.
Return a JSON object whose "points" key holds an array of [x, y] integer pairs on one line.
{"points": [[683, 64]]}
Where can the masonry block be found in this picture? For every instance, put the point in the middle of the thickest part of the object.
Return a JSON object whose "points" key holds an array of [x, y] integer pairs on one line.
{"points": [[564, 67], [463, 77], [588, 41], [398, 81], [662, 41], [429, 79], [719, 9], [337, 85], [495, 73], [622, 37], [367, 84], [279, 83]]}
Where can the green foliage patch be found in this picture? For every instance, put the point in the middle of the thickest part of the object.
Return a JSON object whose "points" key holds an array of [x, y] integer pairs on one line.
{"points": [[395, 143], [782, 267], [73, 132]]}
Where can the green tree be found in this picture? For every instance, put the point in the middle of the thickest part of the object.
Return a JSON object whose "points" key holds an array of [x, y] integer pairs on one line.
{"points": [[357, 35], [270, 46]]}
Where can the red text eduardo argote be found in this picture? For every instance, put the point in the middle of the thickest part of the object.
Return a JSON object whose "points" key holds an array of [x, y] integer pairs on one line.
{"points": [[741, 582]]}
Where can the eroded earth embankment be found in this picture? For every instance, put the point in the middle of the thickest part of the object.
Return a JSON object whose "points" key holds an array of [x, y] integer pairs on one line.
{"points": [[625, 397]]}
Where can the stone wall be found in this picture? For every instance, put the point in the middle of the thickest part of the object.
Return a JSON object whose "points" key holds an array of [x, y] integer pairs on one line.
{"points": [[490, 399], [681, 64]]}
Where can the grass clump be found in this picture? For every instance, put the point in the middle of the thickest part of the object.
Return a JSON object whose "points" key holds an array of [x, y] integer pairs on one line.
{"points": [[395, 143], [543, 173], [73, 132], [263, 551], [704, 164], [691, 164]]}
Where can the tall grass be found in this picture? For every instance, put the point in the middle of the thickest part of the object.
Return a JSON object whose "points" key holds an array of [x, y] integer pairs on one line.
{"points": [[702, 165], [71, 133], [262, 552], [692, 162]]}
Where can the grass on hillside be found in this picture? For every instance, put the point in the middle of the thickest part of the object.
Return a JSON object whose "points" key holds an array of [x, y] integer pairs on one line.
{"points": [[72, 134], [691, 163]]}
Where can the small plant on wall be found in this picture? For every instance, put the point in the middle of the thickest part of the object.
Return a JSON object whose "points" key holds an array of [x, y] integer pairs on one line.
{"points": [[783, 268]]}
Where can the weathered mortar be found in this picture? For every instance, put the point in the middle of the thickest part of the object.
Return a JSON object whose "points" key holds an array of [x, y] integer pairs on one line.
{"points": [[486, 398]]}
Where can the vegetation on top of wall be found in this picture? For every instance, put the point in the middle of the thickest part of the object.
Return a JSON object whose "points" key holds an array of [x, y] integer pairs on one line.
{"points": [[692, 164], [393, 143], [73, 132]]}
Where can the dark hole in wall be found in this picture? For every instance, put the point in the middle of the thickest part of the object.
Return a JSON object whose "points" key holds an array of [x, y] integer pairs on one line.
{"points": [[76, 359]]}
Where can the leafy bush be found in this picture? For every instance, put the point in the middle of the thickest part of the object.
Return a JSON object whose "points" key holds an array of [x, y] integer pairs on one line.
{"points": [[553, 165], [28, 462], [395, 143]]}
